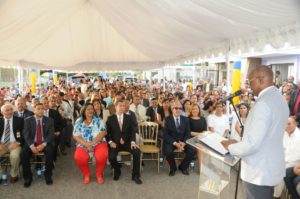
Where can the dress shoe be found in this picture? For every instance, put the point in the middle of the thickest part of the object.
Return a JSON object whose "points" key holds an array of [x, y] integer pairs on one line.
{"points": [[184, 171], [137, 180], [116, 177], [69, 145], [100, 180], [86, 180], [49, 181], [13, 180], [117, 174], [27, 183], [172, 173]]}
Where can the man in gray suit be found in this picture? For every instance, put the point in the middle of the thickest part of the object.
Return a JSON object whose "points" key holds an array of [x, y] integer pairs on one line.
{"points": [[39, 137], [261, 148]]}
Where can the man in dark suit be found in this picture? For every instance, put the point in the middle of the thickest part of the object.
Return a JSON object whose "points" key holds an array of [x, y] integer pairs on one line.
{"points": [[121, 137], [151, 111], [294, 104], [11, 128], [22, 112], [39, 137], [176, 132], [59, 123]]}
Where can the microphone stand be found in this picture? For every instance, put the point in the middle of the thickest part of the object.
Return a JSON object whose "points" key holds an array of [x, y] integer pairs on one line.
{"points": [[239, 162]]}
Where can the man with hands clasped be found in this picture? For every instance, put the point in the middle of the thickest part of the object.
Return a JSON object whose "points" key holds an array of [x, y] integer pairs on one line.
{"points": [[121, 137], [39, 137], [11, 128], [176, 132]]}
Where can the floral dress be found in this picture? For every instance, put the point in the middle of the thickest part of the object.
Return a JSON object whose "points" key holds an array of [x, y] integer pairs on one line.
{"points": [[89, 132]]}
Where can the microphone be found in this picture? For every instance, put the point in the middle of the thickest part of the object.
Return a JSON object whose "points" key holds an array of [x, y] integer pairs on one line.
{"points": [[233, 95]]}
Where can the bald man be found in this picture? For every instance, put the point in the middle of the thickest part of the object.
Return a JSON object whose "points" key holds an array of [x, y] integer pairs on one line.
{"points": [[261, 149]]}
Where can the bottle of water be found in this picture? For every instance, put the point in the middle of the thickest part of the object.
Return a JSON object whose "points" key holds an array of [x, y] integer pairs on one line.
{"points": [[43, 169], [192, 166], [5, 178], [119, 158], [91, 154], [161, 161], [39, 172]]}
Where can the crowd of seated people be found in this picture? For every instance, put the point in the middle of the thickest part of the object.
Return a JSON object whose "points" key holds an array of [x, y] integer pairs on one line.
{"points": [[102, 118]]}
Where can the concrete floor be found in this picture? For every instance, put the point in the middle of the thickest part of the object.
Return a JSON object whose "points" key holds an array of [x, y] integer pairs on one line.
{"points": [[68, 185]]}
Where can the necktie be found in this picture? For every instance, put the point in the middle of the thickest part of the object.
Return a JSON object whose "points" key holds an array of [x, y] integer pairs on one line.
{"points": [[138, 117], [120, 122], [21, 114], [177, 123], [7, 133], [39, 133]]}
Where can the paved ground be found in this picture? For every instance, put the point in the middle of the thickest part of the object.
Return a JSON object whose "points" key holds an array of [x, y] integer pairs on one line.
{"points": [[68, 184]]}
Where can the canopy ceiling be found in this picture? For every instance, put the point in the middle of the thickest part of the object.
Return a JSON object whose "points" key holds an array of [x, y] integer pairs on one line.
{"points": [[138, 34]]}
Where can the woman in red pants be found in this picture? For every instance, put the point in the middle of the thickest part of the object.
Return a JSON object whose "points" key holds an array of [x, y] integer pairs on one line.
{"points": [[89, 133]]}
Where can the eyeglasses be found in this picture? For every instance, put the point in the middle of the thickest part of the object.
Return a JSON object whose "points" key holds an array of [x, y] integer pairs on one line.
{"points": [[177, 108], [252, 79]]}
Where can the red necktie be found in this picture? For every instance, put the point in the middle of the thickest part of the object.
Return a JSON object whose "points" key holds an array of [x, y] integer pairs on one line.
{"points": [[38, 133], [296, 106]]}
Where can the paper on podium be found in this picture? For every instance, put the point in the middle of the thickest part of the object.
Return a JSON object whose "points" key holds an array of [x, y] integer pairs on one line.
{"points": [[213, 140]]}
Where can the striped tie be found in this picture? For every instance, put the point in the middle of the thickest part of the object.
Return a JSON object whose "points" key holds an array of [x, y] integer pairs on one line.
{"points": [[7, 133]]}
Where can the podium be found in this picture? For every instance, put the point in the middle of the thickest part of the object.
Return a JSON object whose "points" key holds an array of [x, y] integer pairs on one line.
{"points": [[215, 169]]}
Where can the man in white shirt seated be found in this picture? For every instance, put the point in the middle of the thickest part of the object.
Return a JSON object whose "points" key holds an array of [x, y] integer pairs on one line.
{"points": [[291, 143], [138, 109]]}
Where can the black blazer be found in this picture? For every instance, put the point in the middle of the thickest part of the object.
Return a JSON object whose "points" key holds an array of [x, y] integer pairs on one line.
{"points": [[134, 121], [170, 132], [17, 128], [151, 113], [114, 132], [59, 122], [26, 113], [145, 102], [30, 130]]}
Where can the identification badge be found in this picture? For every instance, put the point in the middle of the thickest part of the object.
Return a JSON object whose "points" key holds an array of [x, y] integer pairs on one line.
{"points": [[18, 134]]}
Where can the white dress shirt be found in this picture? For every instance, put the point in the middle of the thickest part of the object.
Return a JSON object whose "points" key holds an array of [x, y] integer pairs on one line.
{"points": [[46, 113], [141, 112], [291, 144]]}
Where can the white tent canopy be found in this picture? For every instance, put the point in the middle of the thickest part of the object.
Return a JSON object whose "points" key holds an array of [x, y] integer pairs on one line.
{"points": [[138, 34]]}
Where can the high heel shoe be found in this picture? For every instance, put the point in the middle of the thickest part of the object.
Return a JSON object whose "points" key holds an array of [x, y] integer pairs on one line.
{"points": [[100, 180], [86, 180]]}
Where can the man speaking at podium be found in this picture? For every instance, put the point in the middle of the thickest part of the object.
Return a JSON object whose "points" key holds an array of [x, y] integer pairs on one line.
{"points": [[261, 149]]}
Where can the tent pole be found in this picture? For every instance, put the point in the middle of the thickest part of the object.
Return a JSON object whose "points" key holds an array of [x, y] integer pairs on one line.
{"points": [[194, 76], [228, 68], [67, 81], [164, 81], [20, 79]]}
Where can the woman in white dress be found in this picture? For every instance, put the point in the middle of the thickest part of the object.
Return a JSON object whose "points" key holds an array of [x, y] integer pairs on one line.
{"points": [[218, 122], [236, 129]]}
